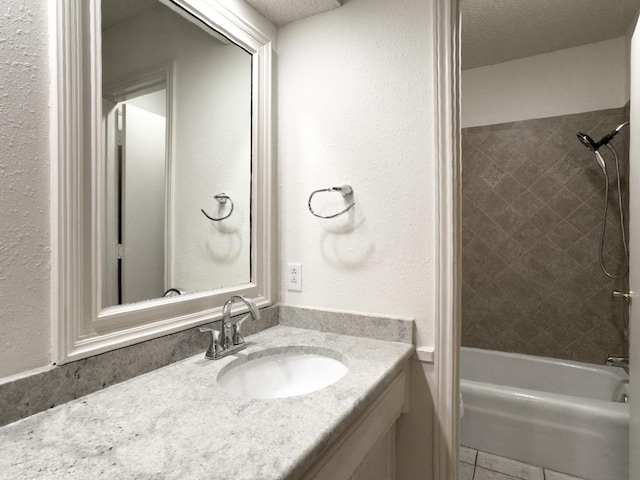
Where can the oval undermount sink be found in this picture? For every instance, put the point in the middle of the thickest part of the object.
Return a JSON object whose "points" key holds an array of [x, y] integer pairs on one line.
{"points": [[282, 375]]}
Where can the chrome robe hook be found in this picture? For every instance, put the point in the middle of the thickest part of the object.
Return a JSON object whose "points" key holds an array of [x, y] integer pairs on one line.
{"points": [[345, 191], [222, 198]]}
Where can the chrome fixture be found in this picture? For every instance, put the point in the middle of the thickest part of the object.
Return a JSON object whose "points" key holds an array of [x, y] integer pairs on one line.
{"points": [[614, 361], [345, 191], [627, 296], [588, 142], [594, 146], [222, 199], [228, 339]]}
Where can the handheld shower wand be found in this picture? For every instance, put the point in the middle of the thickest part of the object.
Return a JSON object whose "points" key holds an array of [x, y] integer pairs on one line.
{"points": [[588, 142]]}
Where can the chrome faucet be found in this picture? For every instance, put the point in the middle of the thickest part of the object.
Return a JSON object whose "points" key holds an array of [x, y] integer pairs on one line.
{"points": [[228, 339], [623, 362]]}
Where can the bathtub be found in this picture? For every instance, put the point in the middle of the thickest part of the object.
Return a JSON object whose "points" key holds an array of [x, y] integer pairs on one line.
{"points": [[562, 415]]}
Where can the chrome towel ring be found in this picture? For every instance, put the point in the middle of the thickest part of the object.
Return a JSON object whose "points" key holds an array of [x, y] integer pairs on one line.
{"points": [[345, 191], [222, 198]]}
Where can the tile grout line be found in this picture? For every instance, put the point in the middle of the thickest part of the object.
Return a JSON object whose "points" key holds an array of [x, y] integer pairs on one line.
{"points": [[545, 471], [475, 467]]}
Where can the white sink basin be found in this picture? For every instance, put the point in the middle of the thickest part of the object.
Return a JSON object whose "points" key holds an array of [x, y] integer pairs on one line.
{"points": [[282, 375]]}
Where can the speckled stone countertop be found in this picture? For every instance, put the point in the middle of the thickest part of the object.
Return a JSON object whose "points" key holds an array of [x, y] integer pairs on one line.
{"points": [[176, 423]]}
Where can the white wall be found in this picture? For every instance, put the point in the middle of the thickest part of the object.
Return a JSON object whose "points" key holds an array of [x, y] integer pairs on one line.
{"points": [[25, 239], [155, 102], [355, 104], [212, 140], [574, 80]]}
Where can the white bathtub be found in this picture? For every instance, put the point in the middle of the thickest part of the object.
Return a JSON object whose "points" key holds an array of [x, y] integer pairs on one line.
{"points": [[562, 415]]}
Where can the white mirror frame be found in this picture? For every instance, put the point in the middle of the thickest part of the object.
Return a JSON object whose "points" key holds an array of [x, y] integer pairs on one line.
{"points": [[81, 327]]}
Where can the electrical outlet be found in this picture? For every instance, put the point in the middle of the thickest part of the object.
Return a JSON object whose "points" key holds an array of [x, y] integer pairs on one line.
{"points": [[294, 276]]}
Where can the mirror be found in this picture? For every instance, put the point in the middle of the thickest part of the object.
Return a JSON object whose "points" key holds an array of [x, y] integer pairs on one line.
{"points": [[163, 178], [177, 154]]}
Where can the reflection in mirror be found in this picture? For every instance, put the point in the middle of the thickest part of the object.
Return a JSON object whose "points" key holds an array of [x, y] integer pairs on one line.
{"points": [[177, 123], [136, 193]]}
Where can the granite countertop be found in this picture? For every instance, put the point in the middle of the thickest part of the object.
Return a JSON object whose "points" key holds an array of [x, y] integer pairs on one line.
{"points": [[176, 423]]}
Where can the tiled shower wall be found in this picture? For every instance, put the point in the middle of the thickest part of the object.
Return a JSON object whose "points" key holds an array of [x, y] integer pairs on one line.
{"points": [[532, 211]]}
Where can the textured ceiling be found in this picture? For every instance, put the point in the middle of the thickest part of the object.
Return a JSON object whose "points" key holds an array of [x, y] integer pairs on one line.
{"points": [[495, 31], [281, 12]]}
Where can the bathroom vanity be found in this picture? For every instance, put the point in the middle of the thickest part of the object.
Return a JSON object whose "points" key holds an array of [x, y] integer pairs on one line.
{"points": [[177, 422]]}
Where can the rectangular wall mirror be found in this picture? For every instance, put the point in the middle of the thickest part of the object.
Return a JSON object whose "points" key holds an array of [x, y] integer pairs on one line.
{"points": [[164, 168]]}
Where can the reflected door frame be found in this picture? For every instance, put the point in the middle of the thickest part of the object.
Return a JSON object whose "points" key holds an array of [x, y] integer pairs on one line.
{"points": [[123, 89]]}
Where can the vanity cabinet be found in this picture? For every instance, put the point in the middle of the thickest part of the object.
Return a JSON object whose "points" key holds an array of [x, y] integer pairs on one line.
{"points": [[366, 450]]}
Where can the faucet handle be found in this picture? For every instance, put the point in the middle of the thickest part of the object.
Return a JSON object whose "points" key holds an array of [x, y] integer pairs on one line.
{"points": [[209, 329], [215, 342], [237, 326]]}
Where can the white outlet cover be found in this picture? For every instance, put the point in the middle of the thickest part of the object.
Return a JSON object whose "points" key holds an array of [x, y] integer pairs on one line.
{"points": [[294, 277]]}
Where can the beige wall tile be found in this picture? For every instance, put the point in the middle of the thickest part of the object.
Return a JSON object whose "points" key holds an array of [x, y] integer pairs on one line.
{"points": [[532, 206]]}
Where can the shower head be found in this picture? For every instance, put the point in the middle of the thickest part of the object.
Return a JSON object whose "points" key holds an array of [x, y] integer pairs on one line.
{"points": [[587, 141]]}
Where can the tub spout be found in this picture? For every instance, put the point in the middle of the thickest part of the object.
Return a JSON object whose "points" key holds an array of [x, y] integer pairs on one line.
{"points": [[614, 361]]}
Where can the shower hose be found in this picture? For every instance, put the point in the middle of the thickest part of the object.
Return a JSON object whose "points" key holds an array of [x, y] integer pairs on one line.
{"points": [[604, 220]]}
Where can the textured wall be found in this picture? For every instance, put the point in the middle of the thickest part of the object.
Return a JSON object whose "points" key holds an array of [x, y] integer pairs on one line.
{"points": [[24, 187], [355, 105], [532, 206], [556, 83]]}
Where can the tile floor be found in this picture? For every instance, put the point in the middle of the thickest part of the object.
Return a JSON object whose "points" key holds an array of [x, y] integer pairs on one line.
{"points": [[478, 465]]}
